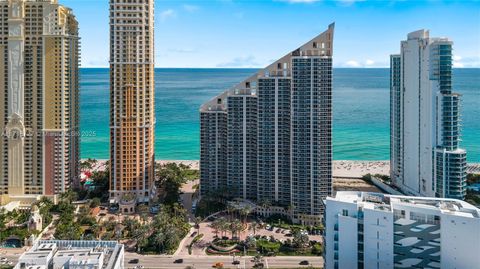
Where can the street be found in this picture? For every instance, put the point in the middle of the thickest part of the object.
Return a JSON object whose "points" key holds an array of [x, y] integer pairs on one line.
{"points": [[204, 262]]}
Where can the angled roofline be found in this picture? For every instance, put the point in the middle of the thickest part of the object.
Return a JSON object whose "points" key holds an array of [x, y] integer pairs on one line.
{"points": [[319, 46]]}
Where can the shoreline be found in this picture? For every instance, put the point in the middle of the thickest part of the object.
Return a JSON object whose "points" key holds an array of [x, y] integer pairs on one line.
{"points": [[341, 168]]}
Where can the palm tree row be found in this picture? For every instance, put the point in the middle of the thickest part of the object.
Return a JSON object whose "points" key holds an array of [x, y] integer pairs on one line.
{"points": [[223, 226]]}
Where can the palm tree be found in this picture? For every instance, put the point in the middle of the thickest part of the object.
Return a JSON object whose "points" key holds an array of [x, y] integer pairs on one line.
{"points": [[253, 226], [223, 225], [96, 230], [246, 212], [215, 227], [159, 240], [236, 227], [197, 221], [230, 210]]}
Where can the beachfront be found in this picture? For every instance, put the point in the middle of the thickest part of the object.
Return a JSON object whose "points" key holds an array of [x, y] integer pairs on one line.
{"points": [[341, 169]]}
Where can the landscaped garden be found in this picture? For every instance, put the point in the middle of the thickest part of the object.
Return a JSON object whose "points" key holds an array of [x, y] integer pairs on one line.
{"points": [[228, 230]]}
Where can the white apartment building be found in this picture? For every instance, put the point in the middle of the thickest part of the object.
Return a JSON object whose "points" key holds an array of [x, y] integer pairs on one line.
{"points": [[377, 231], [46, 254], [426, 158]]}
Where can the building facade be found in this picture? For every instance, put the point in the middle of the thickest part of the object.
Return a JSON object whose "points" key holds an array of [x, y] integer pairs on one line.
{"points": [[275, 132], [426, 159], [132, 96], [39, 115], [376, 231], [46, 254]]}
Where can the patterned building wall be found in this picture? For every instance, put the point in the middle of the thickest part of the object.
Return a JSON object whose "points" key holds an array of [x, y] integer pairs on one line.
{"points": [[417, 240]]}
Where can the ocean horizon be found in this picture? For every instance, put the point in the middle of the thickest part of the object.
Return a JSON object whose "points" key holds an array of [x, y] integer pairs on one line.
{"points": [[361, 104]]}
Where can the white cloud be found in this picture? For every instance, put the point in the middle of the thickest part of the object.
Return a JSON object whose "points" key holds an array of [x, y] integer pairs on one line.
{"points": [[245, 62], [369, 62], [352, 63], [467, 62], [457, 61], [167, 14], [190, 8]]}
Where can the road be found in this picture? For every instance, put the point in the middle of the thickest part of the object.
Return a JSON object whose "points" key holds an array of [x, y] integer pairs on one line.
{"points": [[11, 257], [206, 262]]}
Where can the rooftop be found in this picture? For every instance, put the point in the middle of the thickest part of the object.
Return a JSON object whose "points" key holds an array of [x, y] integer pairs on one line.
{"points": [[320, 46], [100, 254], [384, 202]]}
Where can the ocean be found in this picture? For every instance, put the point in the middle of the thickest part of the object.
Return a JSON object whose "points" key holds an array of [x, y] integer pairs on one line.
{"points": [[361, 110]]}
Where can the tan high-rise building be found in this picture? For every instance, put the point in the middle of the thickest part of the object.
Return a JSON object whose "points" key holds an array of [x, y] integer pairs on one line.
{"points": [[132, 114], [39, 120]]}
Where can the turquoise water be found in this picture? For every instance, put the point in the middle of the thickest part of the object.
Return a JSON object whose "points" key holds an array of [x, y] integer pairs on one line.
{"points": [[361, 111]]}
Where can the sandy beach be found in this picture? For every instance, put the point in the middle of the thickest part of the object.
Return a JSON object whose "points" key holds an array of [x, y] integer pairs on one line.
{"points": [[341, 169], [344, 169]]}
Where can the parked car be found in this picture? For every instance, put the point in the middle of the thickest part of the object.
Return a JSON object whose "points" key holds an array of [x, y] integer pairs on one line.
{"points": [[134, 261], [304, 262], [178, 261]]}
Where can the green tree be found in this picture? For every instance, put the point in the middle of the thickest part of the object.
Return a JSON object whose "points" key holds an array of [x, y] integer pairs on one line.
{"points": [[197, 221], [95, 202], [300, 240], [215, 226]]}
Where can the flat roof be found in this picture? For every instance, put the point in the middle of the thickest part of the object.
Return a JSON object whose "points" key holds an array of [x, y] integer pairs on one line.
{"points": [[379, 201]]}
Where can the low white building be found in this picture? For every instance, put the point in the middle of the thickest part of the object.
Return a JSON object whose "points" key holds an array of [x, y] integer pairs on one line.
{"points": [[377, 231], [66, 254]]}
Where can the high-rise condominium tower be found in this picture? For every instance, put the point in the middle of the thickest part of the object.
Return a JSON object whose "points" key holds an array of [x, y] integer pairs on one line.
{"points": [[39, 118], [132, 114], [425, 120], [269, 138]]}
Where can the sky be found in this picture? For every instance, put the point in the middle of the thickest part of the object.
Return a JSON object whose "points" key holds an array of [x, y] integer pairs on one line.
{"points": [[253, 33]]}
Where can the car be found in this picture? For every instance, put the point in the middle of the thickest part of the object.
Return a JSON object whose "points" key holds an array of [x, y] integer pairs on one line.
{"points": [[178, 261], [193, 234], [268, 227], [236, 262], [134, 261], [218, 265], [3, 259], [305, 262]]}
